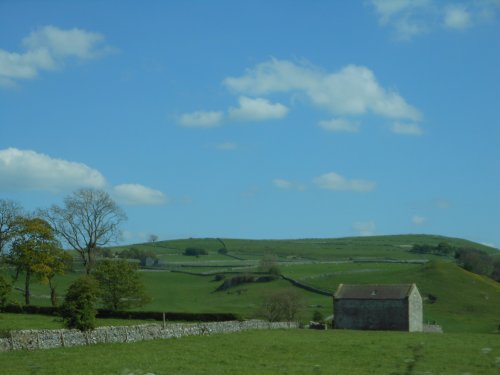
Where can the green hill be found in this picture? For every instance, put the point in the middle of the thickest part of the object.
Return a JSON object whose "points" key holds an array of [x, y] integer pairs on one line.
{"points": [[458, 300]]}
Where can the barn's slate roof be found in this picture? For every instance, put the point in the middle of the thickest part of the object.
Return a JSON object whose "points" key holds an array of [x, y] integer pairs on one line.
{"points": [[373, 291]]}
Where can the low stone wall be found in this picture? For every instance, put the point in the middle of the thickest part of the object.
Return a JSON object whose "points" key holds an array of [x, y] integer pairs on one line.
{"points": [[47, 339]]}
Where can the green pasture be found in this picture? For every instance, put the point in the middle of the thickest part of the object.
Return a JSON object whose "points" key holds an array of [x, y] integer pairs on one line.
{"points": [[272, 352], [463, 302]]}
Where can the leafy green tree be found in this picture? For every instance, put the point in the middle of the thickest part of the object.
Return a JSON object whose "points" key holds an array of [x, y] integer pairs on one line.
{"points": [[120, 285], [79, 307], [57, 261], [5, 289], [32, 252], [88, 220]]}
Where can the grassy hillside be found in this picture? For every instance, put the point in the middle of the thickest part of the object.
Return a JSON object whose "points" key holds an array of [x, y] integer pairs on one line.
{"points": [[396, 246], [463, 302], [273, 352]]}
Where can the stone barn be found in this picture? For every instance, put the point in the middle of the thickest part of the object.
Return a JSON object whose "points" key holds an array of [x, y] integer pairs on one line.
{"points": [[378, 307]]}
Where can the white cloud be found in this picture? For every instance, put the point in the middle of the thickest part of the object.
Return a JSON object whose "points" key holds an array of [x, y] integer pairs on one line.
{"points": [[406, 129], [364, 228], [353, 90], [48, 48], [456, 17], [418, 220], [135, 194], [340, 125], [257, 109], [28, 170], [334, 181], [410, 18], [201, 119]]}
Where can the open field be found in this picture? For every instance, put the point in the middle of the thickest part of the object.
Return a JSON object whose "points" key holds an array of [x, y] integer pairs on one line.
{"points": [[464, 302], [273, 352]]}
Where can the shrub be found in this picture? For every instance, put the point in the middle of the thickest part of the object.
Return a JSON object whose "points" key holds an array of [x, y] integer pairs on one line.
{"points": [[78, 310], [194, 251], [317, 316], [222, 251]]}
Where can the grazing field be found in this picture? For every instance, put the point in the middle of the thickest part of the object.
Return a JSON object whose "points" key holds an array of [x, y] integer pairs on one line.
{"points": [[454, 298], [273, 352]]}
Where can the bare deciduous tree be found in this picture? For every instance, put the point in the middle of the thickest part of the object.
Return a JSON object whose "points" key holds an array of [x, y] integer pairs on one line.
{"points": [[282, 305], [9, 212], [153, 238], [88, 220]]}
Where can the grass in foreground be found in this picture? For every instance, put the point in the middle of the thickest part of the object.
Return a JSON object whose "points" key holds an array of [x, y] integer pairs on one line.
{"points": [[273, 352]]}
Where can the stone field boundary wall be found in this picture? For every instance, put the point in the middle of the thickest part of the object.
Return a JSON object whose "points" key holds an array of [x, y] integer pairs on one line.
{"points": [[59, 338]]}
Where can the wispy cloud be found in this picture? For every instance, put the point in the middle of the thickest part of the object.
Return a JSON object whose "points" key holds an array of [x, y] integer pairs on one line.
{"points": [[418, 220], [407, 17], [457, 17], [201, 119], [136, 194], [364, 228], [340, 125], [406, 129], [257, 109], [49, 48], [284, 184], [410, 18], [334, 181]]}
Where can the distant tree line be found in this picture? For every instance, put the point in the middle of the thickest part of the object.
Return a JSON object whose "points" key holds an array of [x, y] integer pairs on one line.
{"points": [[471, 259], [143, 256]]}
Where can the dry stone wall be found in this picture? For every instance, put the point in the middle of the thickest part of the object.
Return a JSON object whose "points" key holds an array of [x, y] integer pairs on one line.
{"points": [[47, 339]]}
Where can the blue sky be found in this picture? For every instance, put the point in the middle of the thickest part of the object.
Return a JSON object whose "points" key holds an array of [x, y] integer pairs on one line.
{"points": [[257, 119]]}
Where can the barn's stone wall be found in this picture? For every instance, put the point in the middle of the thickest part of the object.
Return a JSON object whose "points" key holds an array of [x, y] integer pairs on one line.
{"points": [[47, 339], [371, 314], [415, 311]]}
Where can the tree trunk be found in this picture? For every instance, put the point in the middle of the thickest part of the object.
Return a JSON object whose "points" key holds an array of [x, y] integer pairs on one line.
{"points": [[27, 288], [53, 294]]}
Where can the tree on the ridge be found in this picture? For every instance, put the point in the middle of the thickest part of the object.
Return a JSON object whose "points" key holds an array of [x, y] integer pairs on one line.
{"points": [[33, 251], [120, 285], [89, 219]]}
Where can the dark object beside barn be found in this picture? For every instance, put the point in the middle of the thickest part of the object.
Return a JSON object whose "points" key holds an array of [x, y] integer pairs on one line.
{"points": [[378, 307]]}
